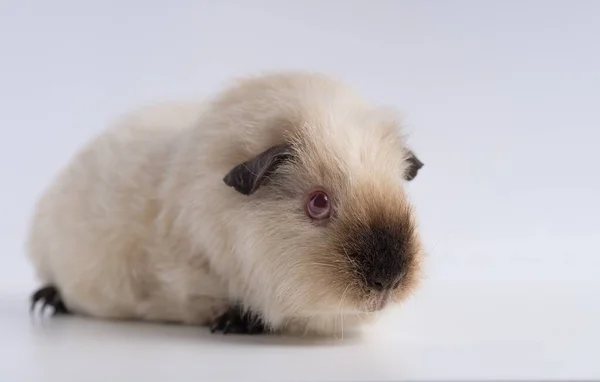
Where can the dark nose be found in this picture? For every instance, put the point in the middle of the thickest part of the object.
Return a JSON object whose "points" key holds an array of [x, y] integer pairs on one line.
{"points": [[383, 281], [382, 254]]}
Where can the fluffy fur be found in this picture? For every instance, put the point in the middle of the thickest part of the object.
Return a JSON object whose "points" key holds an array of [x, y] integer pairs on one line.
{"points": [[140, 224]]}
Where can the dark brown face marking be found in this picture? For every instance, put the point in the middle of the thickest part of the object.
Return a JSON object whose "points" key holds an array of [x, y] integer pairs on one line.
{"points": [[383, 252], [414, 165], [247, 177]]}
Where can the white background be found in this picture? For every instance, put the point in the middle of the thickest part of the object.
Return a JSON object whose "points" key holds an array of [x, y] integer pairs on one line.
{"points": [[501, 100]]}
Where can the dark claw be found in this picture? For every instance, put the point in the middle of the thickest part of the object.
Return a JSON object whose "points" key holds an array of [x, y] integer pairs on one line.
{"points": [[228, 327], [44, 306], [237, 321], [49, 296]]}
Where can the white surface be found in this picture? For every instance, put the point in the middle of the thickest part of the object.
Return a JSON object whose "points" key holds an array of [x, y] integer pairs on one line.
{"points": [[501, 100], [453, 332]]}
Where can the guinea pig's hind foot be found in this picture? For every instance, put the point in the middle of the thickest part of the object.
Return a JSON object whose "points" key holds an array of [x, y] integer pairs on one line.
{"points": [[48, 295], [237, 321]]}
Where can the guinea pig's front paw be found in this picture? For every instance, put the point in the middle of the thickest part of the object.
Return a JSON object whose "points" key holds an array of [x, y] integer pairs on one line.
{"points": [[237, 321]]}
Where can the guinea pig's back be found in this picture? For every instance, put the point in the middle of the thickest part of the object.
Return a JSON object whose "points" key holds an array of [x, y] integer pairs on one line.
{"points": [[92, 226]]}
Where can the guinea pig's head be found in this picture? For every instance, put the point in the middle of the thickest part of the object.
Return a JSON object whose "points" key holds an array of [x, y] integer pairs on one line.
{"points": [[330, 225]]}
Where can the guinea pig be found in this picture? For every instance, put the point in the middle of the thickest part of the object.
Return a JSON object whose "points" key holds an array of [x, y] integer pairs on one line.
{"points": [[279, 205]]}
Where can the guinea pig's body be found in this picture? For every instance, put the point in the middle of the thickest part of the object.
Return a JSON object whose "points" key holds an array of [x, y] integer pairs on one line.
{"points": [[196, 213]]}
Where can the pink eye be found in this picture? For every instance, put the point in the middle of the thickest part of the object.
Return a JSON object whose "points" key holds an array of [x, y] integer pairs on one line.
{"points": [[318, 206]]}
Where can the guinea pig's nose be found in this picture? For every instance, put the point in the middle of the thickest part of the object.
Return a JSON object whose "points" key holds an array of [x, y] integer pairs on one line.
{"points": [[378, 285], [382, 254], [382, 282]]}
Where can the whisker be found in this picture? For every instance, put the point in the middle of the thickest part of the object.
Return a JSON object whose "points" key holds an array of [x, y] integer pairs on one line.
{"points": [[341, 309]]}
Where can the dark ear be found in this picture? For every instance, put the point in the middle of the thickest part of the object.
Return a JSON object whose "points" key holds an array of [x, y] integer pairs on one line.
{"points": [[414, 165], [248, 176]]}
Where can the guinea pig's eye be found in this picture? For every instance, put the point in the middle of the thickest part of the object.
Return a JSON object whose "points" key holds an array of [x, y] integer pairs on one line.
{"points": [[318, 206]]}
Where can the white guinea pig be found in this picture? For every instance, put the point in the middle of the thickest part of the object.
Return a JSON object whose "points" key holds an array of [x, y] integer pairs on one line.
{"points": [[277, 206]]}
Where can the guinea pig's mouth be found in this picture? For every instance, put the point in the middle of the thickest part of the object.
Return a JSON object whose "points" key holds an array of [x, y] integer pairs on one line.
{"points": [[378, 302]]}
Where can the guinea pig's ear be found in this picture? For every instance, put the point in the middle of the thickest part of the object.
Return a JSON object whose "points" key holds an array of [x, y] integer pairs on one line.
{"points": [[414, 165], [247, 177]]}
